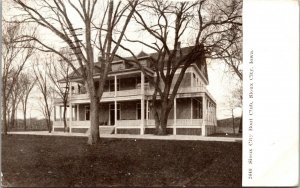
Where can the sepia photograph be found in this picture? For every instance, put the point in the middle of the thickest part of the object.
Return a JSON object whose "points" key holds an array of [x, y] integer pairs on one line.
{"points": [[122, 93]]}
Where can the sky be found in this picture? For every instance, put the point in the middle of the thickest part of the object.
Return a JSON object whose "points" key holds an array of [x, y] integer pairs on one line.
{"points": [[220, 83]]}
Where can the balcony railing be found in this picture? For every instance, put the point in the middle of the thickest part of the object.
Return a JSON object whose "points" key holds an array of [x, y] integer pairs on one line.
{"points": [[136, 92], [128, 92]]}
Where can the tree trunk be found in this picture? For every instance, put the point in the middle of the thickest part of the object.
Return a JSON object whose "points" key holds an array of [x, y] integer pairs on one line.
{"points": [[157, 121], [94, 136], [8, 118], [233, 123], [25, 126], [4, 110], [12, 118], [162, 127], [241, 124], [64, 117], [49, 124], [165, 111]]}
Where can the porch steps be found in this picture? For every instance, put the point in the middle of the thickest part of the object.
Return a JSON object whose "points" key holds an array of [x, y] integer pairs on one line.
{"points": [[103, 130]]}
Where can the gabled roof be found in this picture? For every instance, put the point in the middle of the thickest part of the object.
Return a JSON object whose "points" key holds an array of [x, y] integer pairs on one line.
{"points": [[142, 54], [185, 51], [182, 52]]}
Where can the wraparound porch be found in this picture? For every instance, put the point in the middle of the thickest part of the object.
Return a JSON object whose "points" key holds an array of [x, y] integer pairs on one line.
{"points": [[122, 116], [175, 127]]}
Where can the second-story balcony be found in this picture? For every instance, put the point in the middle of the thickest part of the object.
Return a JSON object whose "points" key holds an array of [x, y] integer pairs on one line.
{"points": [[126, 87], [135, 93]]}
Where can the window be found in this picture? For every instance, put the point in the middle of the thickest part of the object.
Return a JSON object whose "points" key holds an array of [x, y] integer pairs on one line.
{"points": [[198, 110], [139, 111], [112, 85], [79, 88], [87, 113], [138, 80], [112, 113]]}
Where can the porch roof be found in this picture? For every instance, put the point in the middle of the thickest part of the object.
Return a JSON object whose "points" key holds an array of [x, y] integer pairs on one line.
{"points": [[74, 78]]}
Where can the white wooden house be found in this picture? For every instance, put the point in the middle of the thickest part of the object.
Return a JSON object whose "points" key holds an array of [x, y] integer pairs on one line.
{"points": [[126, 105]]}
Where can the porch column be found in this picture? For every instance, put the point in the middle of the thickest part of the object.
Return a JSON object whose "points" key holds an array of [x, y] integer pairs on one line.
{"points": [[115, 101], [54, 118], [207, 112], [70, 107], [54, 113], [204, 118], [116, 110], [77, 112], [192, 79], [70, 117], [142, 103], [115, 81], [147, 111], [60, 119], [210, 113], [175, 118], [191, 111]]}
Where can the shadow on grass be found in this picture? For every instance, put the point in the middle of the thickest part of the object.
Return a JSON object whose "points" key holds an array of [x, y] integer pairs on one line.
{"points": [[69, 161]]}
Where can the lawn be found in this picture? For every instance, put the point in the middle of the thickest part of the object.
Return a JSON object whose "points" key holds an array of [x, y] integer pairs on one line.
{"points": [[69, 161]]}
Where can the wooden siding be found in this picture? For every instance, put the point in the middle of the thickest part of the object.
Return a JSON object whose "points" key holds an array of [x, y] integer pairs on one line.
{"points": [[118, 66]]}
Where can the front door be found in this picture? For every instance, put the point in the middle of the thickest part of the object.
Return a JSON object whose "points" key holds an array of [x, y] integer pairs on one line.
{"points": [[112, 113]]}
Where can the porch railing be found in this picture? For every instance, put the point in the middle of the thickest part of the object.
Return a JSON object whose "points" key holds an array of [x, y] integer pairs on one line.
{"points": [[179, 122], [135, 123], [74, 123], [129, 123], [136, 92]]}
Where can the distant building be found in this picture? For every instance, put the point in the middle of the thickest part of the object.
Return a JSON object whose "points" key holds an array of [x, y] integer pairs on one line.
{"points": [[126, 104]]}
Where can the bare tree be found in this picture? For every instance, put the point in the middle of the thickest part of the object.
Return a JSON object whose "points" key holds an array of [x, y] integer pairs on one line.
{"points": [[234, 101], [43, 84], [206, 24], [15, 99], [238, 95], [14, 56], [57, 19], [233, 57], [56, 72], [27, 82]]}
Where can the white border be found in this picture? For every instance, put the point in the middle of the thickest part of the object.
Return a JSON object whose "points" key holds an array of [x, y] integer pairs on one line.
{"points": [[271, 30]]}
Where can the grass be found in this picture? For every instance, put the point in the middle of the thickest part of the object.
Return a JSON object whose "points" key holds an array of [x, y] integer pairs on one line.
{"points": [[69, 161]]}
